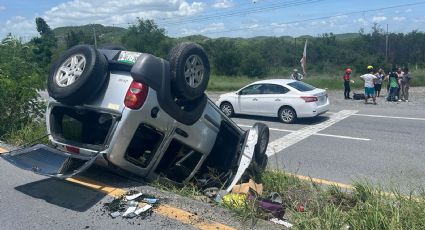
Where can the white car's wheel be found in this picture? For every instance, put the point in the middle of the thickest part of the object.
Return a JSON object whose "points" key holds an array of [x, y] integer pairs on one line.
{"points": [[227, 109], [287, 115]]}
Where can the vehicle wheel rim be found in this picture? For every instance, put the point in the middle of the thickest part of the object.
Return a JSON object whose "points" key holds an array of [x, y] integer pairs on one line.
{"points": [[226, 109], [70, 70], [287, 115], [263, 142], [194, 71]]}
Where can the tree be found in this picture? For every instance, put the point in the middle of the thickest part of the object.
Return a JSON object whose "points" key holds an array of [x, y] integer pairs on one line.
{"points": [[45, 44], [146, 37]]}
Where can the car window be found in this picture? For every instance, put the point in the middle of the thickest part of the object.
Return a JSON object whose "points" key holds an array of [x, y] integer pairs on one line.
{"points": [[252, 89], [274, 89], [301, 86]]}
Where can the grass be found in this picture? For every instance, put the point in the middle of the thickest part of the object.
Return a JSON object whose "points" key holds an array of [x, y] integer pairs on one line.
{"points": [[330, 207], [27, 134], [329, 81]]}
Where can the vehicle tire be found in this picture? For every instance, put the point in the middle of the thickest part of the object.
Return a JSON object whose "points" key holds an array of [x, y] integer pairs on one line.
{"points": [[111, 47], [77, 75], [287, 115], [190, 71], [227, 109]]}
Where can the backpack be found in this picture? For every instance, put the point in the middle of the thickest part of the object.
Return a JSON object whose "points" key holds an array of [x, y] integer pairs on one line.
{"points": [[358, 96]]}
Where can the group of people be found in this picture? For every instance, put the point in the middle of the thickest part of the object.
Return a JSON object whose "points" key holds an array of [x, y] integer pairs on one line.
{"points": [[398, 84]]}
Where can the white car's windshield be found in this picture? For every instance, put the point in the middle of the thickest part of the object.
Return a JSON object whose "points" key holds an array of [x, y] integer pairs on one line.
{"points": [[301, 86]]}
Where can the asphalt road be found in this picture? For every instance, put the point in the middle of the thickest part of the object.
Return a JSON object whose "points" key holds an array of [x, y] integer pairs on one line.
{"points": [[382, 144]]}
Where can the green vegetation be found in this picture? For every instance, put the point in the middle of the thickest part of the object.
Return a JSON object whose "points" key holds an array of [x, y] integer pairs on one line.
{"points": [[364, 207], [20, 78]]}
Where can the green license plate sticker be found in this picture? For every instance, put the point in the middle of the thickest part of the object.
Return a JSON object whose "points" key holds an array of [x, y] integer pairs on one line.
{"points": [[128, 57]]}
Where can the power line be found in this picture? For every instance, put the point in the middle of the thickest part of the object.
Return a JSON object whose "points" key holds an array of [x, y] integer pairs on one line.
{"points": [[270, 7], [319, 18]]}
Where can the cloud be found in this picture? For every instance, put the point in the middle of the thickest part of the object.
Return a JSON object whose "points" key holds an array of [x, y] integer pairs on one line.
{"points": [[379, 19], [211, 28], [118, 12], [20, 26], [408, 10], [399, 19], [2, 7], [223, 4]]}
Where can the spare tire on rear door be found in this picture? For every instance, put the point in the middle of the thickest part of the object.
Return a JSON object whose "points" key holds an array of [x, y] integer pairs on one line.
{"points": [[190, 71], [77, 75]]}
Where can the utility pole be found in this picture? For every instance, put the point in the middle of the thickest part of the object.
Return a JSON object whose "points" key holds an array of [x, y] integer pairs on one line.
{"points": [[94, 36], [295, 51], [386, 46]]}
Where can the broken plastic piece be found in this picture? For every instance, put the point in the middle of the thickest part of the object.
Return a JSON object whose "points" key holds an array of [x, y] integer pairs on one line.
{"points": [[150, 200], [134, 196], [143, 209], [133, 203], [281, 222], [275, 197], [235, 200], [245, 187], [276, 209], [115, 214], [220, 195], [128, 211]]}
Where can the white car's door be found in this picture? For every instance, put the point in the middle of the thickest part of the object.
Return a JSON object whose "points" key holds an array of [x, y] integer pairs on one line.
{"points": [[273, 98], [249, 98]]}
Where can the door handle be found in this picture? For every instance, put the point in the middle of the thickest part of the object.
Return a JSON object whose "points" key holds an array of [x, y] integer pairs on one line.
{"points": [[277, 99], [255, 99]]}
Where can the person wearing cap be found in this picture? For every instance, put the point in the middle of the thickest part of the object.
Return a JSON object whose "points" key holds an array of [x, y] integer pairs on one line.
{"points": [[369, 85], [347, 83], [296, 76]]}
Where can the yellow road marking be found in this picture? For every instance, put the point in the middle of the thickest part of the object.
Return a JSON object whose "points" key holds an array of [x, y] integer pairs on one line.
{"points": [[321, 181]]}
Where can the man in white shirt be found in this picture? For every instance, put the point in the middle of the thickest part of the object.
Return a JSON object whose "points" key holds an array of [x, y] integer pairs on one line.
{"points": [[369, 85]]}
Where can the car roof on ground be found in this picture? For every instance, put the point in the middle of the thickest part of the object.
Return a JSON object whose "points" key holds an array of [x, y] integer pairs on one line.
{"points": [[274, 81]]}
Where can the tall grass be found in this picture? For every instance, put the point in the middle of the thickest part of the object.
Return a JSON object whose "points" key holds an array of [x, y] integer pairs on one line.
{"points": [[365, 207], [27, 134]]}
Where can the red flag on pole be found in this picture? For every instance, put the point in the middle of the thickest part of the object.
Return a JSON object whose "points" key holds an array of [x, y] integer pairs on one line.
{"points": [[303, 60]]}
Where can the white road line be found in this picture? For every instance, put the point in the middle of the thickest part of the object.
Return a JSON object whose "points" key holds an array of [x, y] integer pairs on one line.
{"points": [[316, 134], [299, 135], [381, 116]]}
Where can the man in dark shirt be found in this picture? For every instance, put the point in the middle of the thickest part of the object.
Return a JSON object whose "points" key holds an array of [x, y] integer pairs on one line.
{"points": [[347, 83]]}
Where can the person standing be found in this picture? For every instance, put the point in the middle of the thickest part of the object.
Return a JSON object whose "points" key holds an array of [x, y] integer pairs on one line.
{"points": [[296, 76], [378, 84], [405, 85], [369, 86], [393, 84], [347, 83], [399, 77]]}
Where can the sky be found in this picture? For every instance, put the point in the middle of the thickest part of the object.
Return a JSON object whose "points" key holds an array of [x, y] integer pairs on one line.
{"points": [[218, 18]]}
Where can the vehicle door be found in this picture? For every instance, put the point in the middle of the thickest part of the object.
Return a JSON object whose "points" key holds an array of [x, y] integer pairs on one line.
{"points": [[249, 99], [273, 97]]}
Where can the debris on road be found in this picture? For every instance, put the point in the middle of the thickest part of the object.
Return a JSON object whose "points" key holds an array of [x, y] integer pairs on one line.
{"points": [[246, 188], [281, 222], [131, 205], [134, 196]]}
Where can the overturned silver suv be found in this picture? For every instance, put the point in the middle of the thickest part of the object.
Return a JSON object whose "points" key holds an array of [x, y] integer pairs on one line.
{"points": [[142, 114]]}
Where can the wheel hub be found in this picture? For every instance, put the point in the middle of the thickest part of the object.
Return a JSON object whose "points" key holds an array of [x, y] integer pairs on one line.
{"points": [[70, 70], [194, 71]]}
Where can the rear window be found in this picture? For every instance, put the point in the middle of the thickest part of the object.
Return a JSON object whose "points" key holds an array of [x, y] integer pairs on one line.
{"points": [[301, 86]]}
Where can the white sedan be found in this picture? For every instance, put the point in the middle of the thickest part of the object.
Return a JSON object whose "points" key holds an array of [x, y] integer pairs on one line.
{"points": [[282, 98]]}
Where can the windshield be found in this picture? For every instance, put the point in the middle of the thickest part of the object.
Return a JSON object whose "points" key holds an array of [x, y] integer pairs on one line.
{"points": [[301, 86]]}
